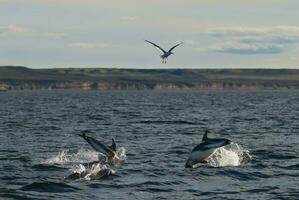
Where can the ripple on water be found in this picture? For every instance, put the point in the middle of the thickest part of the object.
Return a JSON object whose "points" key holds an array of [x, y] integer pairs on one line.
{"points": [[49, 186], [158, 129], [47, 167]]}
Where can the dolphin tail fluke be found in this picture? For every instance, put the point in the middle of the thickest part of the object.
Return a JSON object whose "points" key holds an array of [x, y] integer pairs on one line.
{"points": [[205, 136]]}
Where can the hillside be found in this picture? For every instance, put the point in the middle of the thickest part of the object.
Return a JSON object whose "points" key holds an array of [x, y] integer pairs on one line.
{"points": [[23, 78]]}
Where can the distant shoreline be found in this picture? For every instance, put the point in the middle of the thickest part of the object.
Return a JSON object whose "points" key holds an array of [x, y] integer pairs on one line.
{"points": [[23, 78]]}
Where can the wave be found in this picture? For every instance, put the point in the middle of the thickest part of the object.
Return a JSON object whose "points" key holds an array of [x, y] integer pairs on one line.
{"points": [[47, 167], [49, 186], [168, 122], [288, 167]]}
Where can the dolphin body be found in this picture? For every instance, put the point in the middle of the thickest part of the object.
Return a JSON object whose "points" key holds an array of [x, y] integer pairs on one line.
{"points": [[108, 151], [206, 148]]}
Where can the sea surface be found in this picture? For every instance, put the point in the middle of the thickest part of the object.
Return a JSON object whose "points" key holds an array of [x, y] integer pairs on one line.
{"points": [[42, 156]]}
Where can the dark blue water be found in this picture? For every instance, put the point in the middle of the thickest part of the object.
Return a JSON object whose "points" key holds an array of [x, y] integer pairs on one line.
{"points": [[158, 130]]}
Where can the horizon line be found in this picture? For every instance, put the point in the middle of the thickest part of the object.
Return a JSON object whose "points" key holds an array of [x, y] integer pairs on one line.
{"points": [[152, 68]]}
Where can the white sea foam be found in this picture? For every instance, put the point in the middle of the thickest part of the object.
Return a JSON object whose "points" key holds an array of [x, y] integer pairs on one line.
{"points": [[92, 171], [87, 164], [230, 155], [85, 156], [65, 157], [120, 156]]}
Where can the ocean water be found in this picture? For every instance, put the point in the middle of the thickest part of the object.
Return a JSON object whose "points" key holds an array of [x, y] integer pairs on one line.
{"points": [[42, 156]]}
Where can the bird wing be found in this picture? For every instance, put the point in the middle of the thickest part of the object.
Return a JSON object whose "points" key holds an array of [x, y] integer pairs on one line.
{"points": [[156, 45], [175, 46]]}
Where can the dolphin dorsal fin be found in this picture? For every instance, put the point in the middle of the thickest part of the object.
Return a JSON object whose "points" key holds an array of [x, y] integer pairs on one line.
{"points": [[205, 136], [113, 145]]}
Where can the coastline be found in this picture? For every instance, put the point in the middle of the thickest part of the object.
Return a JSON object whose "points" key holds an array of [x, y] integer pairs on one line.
{"points": [[22, 78]]}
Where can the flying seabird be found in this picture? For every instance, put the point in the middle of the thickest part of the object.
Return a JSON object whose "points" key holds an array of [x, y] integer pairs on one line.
{"points": [[165, 53]]}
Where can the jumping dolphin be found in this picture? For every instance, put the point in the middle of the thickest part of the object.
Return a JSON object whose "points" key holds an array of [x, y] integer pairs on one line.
{"points": [[206, 148], [108, 151], [165, 53]]}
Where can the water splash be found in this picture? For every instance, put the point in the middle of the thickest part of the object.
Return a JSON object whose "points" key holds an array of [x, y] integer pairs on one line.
{"points": [[85, 156], [65, 157], [87, 164], [230, 155], [98, 170], [120, 156], [91, 172]]}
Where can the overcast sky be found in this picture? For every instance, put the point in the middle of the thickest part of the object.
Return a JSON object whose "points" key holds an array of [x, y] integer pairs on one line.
{"points": [[102, 33]]}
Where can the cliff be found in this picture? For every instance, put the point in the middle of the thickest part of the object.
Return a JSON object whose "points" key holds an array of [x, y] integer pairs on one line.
{"points": [[23, 78]]}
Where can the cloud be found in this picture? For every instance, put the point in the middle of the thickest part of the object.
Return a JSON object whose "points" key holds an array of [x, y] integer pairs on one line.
{"points": [[12, 29], [254, 40], [254, 31], [128, 18], [84, 45], [238, 47], [270, 39], [54, 1], [54, 34], [199, 49], [189, 41], [29, 32]]}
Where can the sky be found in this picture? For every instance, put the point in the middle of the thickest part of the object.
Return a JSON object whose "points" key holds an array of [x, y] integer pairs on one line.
{"points": [[101, 33]]}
